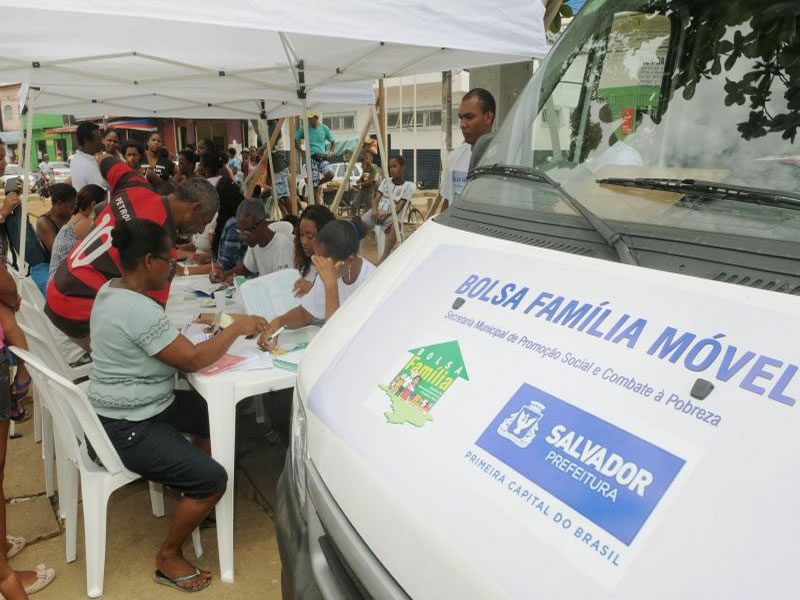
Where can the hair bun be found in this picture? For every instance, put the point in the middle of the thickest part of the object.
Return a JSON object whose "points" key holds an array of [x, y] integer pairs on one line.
{"points": [[121, 236]]}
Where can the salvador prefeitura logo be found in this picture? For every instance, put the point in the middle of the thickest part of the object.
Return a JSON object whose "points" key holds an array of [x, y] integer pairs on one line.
{"points": [[422, 381]]}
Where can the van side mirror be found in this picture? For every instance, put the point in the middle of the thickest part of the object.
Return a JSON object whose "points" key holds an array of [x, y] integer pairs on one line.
{"points": [[479, 149]]}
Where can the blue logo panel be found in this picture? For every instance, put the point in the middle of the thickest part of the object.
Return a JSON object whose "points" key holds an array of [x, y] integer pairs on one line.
{"points": [[610, 476]]}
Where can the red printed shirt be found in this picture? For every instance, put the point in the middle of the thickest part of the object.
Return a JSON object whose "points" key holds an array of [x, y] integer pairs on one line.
{"points": [[93, 261]]}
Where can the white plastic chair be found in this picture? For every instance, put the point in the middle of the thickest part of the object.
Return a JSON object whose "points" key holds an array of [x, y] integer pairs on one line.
{"points": [[282, 227], [41, 342], [380, 236], [75, 422], [30, 293]]}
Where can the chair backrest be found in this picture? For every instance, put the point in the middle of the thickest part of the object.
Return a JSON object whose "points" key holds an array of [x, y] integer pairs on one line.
{"points": [[28, 289], [282, 227], [40, 338], [74, 417]]}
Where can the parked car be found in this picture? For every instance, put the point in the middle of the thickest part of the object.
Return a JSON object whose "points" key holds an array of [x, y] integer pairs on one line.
{"points": [[329, 189], [61, 172], [15, 172], [582, 379]]}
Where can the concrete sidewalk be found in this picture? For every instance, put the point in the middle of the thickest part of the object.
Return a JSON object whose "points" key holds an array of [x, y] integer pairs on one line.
{"points": [[133, 534]]}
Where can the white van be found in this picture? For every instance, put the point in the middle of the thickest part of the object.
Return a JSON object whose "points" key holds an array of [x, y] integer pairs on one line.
{"points": [[582, 380]]}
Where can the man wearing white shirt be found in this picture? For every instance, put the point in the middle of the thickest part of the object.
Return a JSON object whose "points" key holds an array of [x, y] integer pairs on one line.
{"points": [[83, 165], [476, 117], [45, 168], [269, 249]]}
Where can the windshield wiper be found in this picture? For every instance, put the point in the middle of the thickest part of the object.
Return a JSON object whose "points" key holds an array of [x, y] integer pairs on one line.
{"points": [[608, 233], [711, 190]]}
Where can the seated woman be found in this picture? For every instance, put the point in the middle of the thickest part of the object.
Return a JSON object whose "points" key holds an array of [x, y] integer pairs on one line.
{"points": [[312, 220], [340, 272], [77, 227], [50, 223], [136, 353], [11, 221]]}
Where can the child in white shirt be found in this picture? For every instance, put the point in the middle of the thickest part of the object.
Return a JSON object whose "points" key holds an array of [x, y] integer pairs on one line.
{"points": [[380, 215]]}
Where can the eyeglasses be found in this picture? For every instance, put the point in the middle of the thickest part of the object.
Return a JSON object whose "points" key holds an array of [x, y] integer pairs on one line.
{"points": [[173, 265]]}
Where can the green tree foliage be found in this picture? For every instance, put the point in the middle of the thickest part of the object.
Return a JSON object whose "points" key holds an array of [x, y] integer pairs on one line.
{"points": [[770, 38]]}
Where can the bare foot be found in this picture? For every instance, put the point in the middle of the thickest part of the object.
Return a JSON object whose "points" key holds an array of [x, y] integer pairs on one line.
{"points": [[26, 578], [177, 566]]}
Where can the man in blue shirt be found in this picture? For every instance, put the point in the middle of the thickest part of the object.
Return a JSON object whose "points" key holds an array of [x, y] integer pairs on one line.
{"points": [[231, 247], [319, 134]]}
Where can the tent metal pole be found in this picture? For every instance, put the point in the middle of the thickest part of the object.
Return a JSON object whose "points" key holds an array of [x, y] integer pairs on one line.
{"points": [[390, 184], [414, 108], [307, 140], [293, 202], [356, 153], [26, 186], [401, 130]]}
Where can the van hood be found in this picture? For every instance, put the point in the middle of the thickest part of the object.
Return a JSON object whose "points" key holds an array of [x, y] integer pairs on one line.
{"points": [[500, 420]]}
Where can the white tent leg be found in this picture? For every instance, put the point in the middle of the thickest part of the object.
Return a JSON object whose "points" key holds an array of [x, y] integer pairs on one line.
{"points": [[307, 140], [390, 185], [26, 187]]}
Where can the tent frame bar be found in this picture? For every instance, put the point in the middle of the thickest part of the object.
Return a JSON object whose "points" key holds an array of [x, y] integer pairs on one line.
{"points": [[22, 266]]}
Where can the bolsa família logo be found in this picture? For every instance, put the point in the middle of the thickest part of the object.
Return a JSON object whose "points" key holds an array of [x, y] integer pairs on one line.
{"points": [[611, 476], [419, 385]]}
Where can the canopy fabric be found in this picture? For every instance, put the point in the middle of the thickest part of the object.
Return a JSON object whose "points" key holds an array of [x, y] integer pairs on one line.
{"points": [[206, 60]]}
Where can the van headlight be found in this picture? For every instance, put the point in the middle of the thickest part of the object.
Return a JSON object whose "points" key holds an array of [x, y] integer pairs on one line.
{"points": [[299, 434]]}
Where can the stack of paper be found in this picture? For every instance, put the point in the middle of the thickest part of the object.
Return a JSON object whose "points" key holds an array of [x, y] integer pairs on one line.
{"points": [[271, 295], [240, 359]]}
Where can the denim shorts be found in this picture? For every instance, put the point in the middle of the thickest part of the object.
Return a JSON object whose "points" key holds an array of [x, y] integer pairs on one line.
{"points": [[282, 184], [156, 449]]}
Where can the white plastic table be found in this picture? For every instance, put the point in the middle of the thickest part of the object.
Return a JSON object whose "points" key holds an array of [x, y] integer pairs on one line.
{"points": [[222, 393]]}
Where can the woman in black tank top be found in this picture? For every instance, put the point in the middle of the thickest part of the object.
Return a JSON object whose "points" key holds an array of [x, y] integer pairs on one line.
{"points": [[64, 200]]}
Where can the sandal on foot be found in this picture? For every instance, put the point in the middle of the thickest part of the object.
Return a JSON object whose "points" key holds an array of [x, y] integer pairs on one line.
{"points": [[19, 391], [17, 544], [20, 417], [44, 577], [159, 577]]}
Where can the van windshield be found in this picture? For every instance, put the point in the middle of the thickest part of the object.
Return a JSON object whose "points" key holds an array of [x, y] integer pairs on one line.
{"points": [[664, 91]]}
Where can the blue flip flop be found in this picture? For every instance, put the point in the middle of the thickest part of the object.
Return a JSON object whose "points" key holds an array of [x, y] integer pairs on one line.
{"points": [[159, 577]]}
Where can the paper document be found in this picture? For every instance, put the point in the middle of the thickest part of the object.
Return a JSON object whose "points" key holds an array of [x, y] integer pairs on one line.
{"points": [[196, 332], [271, 295]]}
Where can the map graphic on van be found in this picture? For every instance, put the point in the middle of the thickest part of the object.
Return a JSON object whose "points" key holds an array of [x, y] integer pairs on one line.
{"points": [[419, 385]]}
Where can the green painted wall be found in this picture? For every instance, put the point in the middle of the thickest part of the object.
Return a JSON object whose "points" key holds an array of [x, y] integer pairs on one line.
{"points": [[42, 123]]}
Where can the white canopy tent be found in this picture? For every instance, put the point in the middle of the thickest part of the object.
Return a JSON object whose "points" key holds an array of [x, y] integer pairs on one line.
{"points": [[266, 58], [203, 59]]}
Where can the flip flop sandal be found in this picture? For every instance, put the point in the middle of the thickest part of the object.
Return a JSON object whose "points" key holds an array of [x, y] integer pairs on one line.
{"points": [[85, 359], [159, 577], [21, 390], [44, 577], [21, 417], [17, 544]]}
